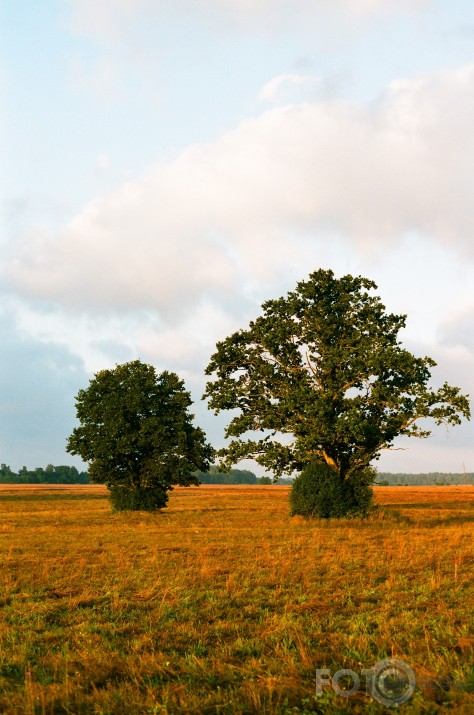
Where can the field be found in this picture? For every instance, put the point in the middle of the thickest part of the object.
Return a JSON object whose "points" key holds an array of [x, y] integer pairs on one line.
{"points": [[224, 604]]}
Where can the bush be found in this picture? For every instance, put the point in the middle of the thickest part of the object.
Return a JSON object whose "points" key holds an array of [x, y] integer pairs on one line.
{"points": [[318, 491], [141, 499]]}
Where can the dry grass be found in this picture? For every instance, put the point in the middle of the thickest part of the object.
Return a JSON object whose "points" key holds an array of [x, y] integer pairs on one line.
{"points": [[224, 604]]}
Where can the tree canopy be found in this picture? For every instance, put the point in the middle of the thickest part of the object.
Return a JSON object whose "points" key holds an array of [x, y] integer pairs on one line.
{"points": [[137, 434], [322, 374]]}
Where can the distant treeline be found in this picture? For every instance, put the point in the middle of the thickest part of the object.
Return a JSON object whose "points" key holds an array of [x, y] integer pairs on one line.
{"points": [[235, 476], [49, 475], [433, 478], [71, 475]]}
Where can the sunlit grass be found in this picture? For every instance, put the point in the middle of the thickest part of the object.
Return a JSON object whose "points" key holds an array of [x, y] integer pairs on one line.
{"points": [[224, 604]]}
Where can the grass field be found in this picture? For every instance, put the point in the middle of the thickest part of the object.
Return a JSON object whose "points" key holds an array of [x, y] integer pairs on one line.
{"points": [[224, 604]]}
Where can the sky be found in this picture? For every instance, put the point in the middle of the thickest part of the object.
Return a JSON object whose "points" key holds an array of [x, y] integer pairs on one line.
{"points": [[168, 165]]}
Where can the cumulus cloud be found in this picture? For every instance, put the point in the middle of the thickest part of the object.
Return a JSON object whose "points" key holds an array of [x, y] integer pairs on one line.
{"points": [[458, 331], [103, 161], [100, 80], [105, 19], [123, 21], [287, 87], [246, 207]]}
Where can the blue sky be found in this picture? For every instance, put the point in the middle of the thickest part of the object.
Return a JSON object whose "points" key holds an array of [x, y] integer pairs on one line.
{"points": [[168, 165]]}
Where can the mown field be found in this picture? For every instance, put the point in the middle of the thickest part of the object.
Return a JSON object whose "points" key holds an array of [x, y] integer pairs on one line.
{"points": [[224, 604]]}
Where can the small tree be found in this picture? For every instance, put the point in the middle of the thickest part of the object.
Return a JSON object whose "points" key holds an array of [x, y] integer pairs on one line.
{"points": [[137, 435], [324, 365]]}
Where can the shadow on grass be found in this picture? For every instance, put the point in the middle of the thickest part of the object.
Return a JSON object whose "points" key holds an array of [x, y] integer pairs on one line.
{"points": [[440, 521], [60, 496]]}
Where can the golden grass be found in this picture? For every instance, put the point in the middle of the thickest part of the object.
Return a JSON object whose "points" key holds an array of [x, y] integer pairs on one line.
{"points": [[224, 604]]}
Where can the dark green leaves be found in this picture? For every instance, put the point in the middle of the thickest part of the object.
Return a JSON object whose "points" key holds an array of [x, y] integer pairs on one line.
{"points": [[324, 366], [136, 431]]}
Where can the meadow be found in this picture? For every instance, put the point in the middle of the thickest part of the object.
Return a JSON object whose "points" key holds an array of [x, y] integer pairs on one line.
{"points": [[224, 604]]}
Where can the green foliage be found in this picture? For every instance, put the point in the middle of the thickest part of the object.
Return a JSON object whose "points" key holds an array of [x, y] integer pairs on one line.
{"points": [[233, 476], [62, 474], [124, 499], [319, 491], [426, 479], [323, 368], [265, 480], [137, 434]]}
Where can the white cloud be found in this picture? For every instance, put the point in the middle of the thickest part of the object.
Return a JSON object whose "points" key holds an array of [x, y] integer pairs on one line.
{"points": [[103, 161], [287, 88], [457, 330], [133, 35], [101, 81], [247, 207], [105, 19], [113, 20]]}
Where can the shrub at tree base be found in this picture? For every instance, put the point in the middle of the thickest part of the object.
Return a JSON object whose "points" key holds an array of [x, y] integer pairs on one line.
{"points": [[140, 499], [318, 491]]}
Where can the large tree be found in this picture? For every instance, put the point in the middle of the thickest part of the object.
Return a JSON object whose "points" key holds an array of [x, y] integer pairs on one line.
{"points": [[137, 434], [324, 365]]}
